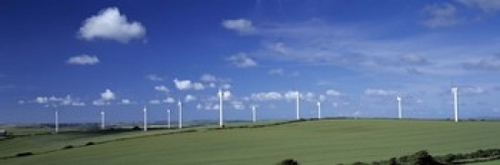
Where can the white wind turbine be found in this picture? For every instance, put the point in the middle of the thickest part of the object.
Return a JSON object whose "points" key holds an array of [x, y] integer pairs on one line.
{"points": [[454, 91], [168, 119], [103, 115], [319, 109], [56, 113], [400, 107], [145, 119], [298, 104], [254, 117], [179, 104], [221, 115]]}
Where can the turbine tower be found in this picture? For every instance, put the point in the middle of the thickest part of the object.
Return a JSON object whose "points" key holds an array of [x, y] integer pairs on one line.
{"points": [[454, 91], [254, 118], [221, 117], [103, 120], [179, 104], [145, 119], [298, 104], [319, 109], [168, 120], [56, 121], [400, 107]]}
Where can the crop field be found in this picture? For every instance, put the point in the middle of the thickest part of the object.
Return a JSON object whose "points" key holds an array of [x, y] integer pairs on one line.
{"points": [[308, 142]]}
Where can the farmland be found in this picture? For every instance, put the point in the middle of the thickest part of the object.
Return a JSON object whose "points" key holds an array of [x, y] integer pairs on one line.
{"points": [[309, 142]]}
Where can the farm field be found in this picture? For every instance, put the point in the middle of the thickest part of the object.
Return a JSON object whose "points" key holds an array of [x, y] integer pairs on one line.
{"points": [[308, 142]]}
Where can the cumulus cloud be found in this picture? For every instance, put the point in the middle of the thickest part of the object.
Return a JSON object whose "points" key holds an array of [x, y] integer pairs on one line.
{"points": [[279, 48], [66, 101], [189, 98], [126, 101], [110, 24], [83, 60], [441, 15], [154, 77], [266, 96], [208, 78], [242, 26], [188, 85], [161, 88], [379, 92], [242, 60], [332, 92], [474, 90], [277, 71], [154, 102], [487, 63], [413, 59], [169, 100], [487, 6], [107, 95]]}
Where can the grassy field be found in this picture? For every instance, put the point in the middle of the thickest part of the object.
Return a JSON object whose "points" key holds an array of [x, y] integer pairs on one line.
{"points": [[310, 142]]}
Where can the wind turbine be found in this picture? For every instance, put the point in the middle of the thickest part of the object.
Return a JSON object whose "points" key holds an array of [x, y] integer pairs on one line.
{"points": [[319, 109], [454, 91], [179, 104], [400, 107], [221, 117], [168, 120], [298, 104], [254, 118], [145, 119], [56, 120], [102, 120]]}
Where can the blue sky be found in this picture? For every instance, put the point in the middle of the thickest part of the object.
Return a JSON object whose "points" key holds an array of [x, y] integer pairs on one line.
{"points": [[355, 57]]}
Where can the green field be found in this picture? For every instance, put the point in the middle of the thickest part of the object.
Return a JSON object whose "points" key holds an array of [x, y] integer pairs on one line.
{"points": [[309, 142]]}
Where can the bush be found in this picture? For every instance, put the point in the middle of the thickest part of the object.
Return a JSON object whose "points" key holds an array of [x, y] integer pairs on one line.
{"points": [[68, 147], [90, 143], [22, 154], [136, 128], [288, 162]]}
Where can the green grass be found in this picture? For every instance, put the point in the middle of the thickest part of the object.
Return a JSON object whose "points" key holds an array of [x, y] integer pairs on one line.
{"points": [[311, 142], [496, 162]]}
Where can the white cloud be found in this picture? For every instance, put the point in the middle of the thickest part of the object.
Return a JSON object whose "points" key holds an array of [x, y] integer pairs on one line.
{"points": [[189, 98], [279, 48], [99, 102], [291, 95], [487, 63], [126, 101], [161, 88], [154, 102], [332, 92], [242, 26], [154, 77], [441, 15], [488, 6], [242, 60], [83, 60], [42, 100], [188, 85], [226, 94], [169, 100], [473, 90], [107, 95], [379, 92], [265, 96], [66, 101], [238, 105], [277, 71], [111, 24], [198, 86], [208, 78]]}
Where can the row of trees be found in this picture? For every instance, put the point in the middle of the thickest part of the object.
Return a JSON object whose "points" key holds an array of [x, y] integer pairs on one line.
{"points": [[424, 158]]}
